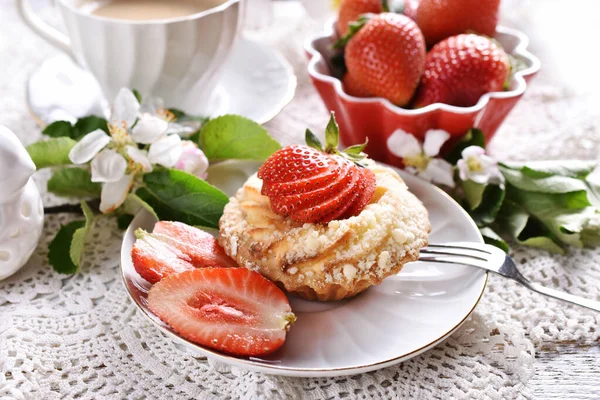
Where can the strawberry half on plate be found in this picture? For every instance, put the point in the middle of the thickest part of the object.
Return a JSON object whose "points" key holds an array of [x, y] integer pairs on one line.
{"points": [[174, 247], [233, 310]]}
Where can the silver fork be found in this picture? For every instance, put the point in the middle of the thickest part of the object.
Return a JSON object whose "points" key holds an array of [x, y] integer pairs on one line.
{"points": [[493, 259]]}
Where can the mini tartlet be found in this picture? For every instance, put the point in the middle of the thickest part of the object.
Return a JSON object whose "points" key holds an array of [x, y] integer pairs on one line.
{"points": [[327, 261]]}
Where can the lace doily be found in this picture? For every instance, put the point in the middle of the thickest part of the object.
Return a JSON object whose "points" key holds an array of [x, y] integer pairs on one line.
{"points": [[81, 337]]}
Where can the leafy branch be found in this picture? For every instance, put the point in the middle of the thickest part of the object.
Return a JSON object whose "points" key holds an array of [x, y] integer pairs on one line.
{"points": [[544, 204], [168, 193]]}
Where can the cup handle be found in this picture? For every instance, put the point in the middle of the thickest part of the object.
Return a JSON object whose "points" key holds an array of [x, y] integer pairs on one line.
{"points": [[44, 30]]}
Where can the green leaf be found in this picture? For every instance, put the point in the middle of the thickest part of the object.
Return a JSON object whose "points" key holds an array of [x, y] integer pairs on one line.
{"points": [[137, 95], [550, 204], [491, 203], [484, 201], [58, 129], [548, 184], [544, 243], [182, 196], [353, 28], [80, 235], [133, 204], [73, 182], [526, 229], [473, 193], [82, 127], [474, 137], [565, 223], [491, 237], [236, 137], [124, 220], [593, 191], [167, 213], [51, 152], [312, 140], [556, 201], [85, 125], [332, 135], [357, 149], [59, 249], [543, 169]]}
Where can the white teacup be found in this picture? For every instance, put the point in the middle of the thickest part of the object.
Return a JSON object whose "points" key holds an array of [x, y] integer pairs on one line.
{"points": [[178, 59]]}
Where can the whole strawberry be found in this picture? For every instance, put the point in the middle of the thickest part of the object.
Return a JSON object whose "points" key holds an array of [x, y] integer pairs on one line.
{"points": [[460, 69], [387, 57], [439, 19], [353, 88], [316, 184], [410, 9], [351, 10]]}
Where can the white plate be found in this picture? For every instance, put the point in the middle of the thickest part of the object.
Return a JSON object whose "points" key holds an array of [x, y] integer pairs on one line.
{"points": [[257, 83], [404, 316]]}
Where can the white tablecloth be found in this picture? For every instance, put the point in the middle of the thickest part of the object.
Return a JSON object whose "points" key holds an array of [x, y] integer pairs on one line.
{"points": [[80, 336]]}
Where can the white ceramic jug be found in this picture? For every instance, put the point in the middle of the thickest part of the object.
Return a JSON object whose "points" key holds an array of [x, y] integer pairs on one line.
{"points": [[21, 209]]}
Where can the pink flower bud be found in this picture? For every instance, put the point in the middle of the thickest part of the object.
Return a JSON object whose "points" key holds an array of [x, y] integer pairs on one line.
{"points": [[192, 160]]}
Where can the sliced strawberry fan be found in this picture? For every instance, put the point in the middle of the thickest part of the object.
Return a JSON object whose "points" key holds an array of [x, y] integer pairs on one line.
{"points": [[316, 183]]}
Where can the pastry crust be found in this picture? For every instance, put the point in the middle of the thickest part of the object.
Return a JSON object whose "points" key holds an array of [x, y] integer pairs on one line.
{"points": [[332, 261]]}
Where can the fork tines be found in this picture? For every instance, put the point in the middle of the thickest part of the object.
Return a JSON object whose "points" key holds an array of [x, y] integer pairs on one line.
{"points": [[451, 253]]}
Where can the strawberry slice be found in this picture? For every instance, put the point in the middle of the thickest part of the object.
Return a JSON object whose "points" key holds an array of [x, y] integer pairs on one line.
{"points": [[175, 247], [200, 246], [233, 310], [333, 206], [293, 163], [303, 185], [365, 191], [154, 259], [286, 205]]}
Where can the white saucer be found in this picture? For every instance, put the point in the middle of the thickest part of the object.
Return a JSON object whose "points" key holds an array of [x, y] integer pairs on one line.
{"points": [[404, 316], [257, 83]]}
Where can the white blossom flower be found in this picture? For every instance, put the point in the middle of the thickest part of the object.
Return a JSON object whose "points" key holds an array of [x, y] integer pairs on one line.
{"points": [[140, 157], [155, 106], [108, 166], [114, 193], [420, 160], [192, 160], [116, 158], [476, 166], [149, 129]]}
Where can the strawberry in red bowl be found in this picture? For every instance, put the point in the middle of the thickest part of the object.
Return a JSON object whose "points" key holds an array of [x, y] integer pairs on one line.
{"points": [[489, 89]]}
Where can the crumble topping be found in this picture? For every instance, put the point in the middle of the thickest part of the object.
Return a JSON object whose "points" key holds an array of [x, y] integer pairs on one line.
{"points": [[368, 247]]}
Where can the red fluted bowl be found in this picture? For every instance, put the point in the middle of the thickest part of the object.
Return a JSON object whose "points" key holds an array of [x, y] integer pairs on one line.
{"points": [[377, 118]]}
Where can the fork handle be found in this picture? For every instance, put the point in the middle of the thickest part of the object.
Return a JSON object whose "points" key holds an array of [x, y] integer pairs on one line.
{"points": [[591, 304]]}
